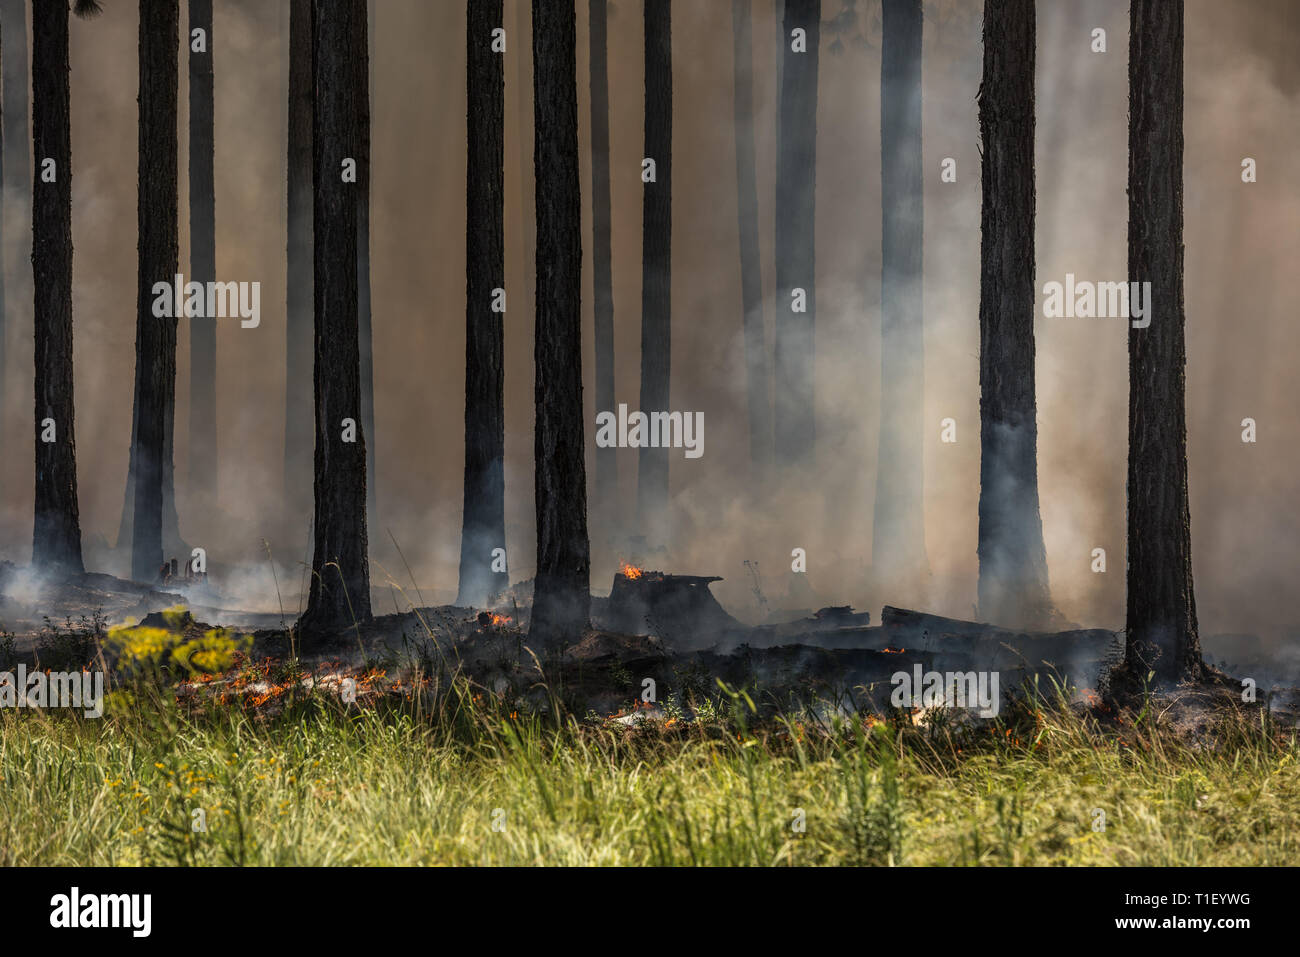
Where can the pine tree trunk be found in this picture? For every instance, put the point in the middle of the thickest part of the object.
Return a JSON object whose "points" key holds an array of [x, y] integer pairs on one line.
{"points": [[16, 158], [363, 286], [561, 590], [898, 532], [155, 338], [602, 274], [298, 434], [656, 261], [796, 169], [483, 525], [203, 262], [751, 272], [56, 540], [1161, 612], [1013, 562], [340, 583]]}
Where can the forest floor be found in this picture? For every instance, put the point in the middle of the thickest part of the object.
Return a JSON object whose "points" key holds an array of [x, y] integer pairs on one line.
{"points": [[438, 737]]}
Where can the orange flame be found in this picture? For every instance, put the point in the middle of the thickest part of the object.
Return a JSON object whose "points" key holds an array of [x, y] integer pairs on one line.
{"points": [[499, 620], [631, 572]]}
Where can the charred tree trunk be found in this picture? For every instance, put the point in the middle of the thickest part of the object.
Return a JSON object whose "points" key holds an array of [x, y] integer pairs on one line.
{"points": [[656, 260], [56, 542], [366, 340], [1161, 613], [602, 275], [898, 532], [155, 337], [340, 582], [751, 273], [1013, 561], [483, 524], [796, 169], [203, 261], [561, 590], [298, 435]]}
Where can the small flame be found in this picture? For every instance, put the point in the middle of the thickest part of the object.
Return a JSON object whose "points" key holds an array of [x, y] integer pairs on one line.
{"points": [[499, 620], [630, 572], [893, 651]]}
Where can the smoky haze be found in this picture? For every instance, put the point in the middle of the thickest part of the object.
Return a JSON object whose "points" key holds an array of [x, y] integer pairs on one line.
{"points": [[1242, 99]]}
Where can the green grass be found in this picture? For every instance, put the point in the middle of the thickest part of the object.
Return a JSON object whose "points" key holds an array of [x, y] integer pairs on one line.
{"points": [[318, 785]]}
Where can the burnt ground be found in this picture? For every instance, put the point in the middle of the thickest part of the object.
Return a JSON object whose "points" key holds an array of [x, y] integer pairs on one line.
{"points": [[657, 633]]}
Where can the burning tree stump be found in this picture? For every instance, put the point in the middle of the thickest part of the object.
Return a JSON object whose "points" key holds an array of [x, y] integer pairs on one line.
{"points": [[678, 608]]}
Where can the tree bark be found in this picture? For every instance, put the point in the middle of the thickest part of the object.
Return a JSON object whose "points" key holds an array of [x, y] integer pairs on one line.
{"points": [[561, 590], [203, 262], [483, 522], [602, 274], [363, 285], [298, 435], [656, 260], [796, 174], [56, 540], [1161, 607], [155, 337], [898, 532], [751, 272], [340, 583], [1013, 563]]}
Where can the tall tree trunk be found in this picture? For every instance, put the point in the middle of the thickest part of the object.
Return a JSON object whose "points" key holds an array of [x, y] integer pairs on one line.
{"points": [[17, 180], [656, 260], [203, 261], [298, 434], [751, 272], [898, 532], [1013, 562], [483, 524], [796, 169], [1161, 612], [56, 541], [561, 590], [602, 273], [155, 337], [340, 583], [363, 286]]}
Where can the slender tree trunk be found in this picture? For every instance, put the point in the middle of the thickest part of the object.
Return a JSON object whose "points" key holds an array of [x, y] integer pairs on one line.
{"points": [[751, 272], [1013, 562], [340, 583], [898, 532], [603, 284], [203, 261], [796, 169], [298, 434], [561, 590], [363, 287], [56, 541], [1162, 628], [17, 193], [155, 337], [484, 515], [656, 260]]}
